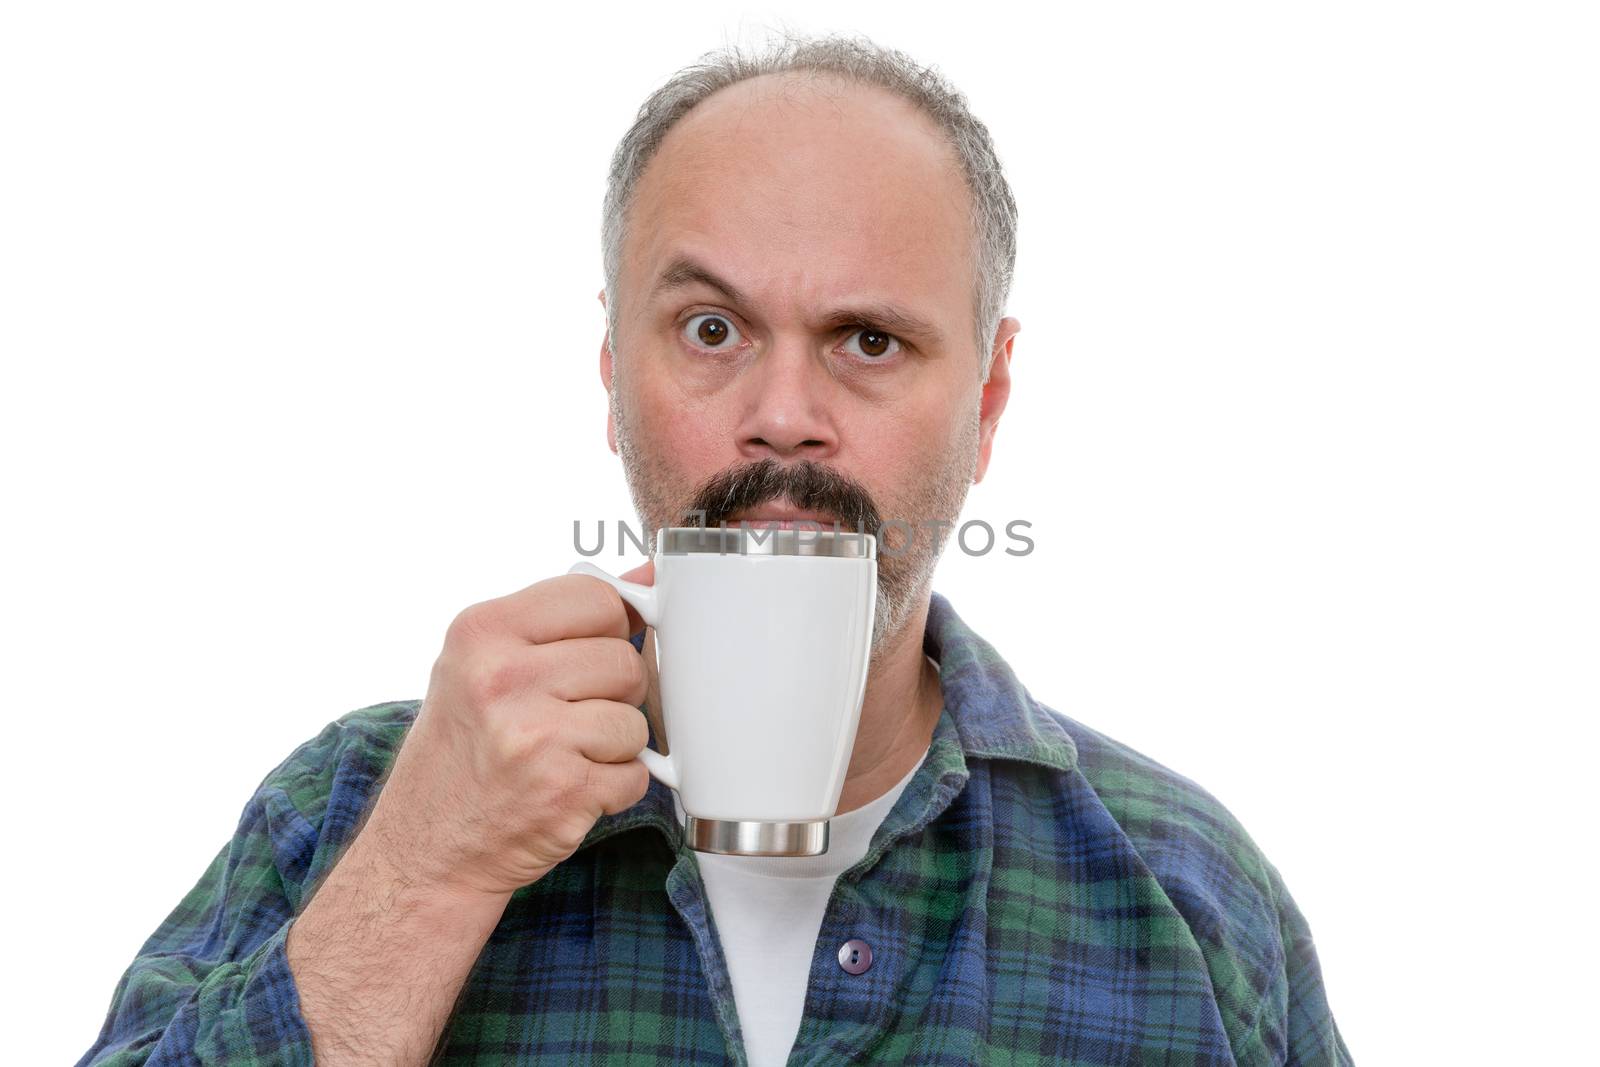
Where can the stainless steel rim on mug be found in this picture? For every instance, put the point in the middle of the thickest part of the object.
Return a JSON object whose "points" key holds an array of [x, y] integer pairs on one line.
{"points": [[759, 541], [743, 838]]}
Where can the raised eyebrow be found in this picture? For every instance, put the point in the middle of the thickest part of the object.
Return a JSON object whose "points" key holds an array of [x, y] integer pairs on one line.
{"points": [[684, 272]]}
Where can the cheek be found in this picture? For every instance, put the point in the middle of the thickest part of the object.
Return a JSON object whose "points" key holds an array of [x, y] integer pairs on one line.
{"points": [[892, 455], [690, 437], [908, 436]]}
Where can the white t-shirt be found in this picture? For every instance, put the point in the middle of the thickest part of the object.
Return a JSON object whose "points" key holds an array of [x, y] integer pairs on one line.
{"points": [[768, 911]]}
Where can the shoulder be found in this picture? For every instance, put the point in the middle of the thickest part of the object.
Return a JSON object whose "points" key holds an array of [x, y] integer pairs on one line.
{"points": [[1206, 863], [312, 803], [1169, 817], [359, 745]]}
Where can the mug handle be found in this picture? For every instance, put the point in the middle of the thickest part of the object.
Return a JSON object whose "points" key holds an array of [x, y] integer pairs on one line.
{"points": [[645, 601]]}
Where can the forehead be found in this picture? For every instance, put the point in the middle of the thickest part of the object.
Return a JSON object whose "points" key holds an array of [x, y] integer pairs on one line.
{"points": [[801, 191]]}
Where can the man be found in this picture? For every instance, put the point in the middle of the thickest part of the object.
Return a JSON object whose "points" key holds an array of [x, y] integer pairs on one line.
{"points": [[806, 259]]}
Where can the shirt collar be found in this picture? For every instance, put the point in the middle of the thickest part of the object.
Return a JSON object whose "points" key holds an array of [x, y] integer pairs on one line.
{"points": [[987, 712], [994, 716]]}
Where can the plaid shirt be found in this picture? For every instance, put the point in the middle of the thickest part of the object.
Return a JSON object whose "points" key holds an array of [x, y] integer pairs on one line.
{"points": [[1038, 894]]}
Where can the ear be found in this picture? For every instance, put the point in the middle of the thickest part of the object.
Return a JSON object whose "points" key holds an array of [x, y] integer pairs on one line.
{"points": [[996, 391], [605, 379]]}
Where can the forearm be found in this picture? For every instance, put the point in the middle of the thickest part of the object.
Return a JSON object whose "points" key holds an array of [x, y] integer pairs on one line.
{"points": [[379, 960]]}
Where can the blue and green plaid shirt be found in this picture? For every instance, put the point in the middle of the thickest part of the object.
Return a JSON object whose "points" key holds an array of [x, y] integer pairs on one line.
{"points": [[1038, 894]]}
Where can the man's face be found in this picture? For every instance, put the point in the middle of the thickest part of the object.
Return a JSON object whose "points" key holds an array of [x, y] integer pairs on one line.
{"points": [[826, 209]]}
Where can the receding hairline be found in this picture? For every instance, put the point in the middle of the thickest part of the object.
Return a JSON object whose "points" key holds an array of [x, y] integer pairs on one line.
{"points": [[828, 63], [683, 269]]}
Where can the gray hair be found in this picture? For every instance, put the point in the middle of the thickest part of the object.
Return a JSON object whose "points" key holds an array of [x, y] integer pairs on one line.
{"points": [[856, 59]]}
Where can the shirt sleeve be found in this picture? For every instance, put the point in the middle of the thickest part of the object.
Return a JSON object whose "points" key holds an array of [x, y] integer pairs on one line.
{"points": [[1295, 1027], [212, 985]]}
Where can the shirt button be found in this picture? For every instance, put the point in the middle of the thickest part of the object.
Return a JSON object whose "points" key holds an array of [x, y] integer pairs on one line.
{"points": [[855, 955]]}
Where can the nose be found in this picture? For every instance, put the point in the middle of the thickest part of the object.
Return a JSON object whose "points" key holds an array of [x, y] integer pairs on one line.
{"points": [[788, 414]]}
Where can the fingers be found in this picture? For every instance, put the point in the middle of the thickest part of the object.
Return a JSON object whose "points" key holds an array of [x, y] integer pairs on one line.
{"points": [[619, 786], [569, 605], [606, 731], [583, 668]]}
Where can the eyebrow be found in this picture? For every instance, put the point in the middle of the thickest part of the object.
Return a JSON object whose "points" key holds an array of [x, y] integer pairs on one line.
{"points": [[683, 272]]}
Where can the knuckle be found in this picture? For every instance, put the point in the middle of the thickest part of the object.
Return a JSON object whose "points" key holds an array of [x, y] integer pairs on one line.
{"points": [[579, 780], [470, 624], [570, 832], [528, 741], [488, 679]]}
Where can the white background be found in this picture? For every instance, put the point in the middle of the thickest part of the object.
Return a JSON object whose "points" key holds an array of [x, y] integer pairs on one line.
{"points": [[300, 337]]}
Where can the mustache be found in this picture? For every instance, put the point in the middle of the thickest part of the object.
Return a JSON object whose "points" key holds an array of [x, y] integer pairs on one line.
{"points": [[808, 485]]}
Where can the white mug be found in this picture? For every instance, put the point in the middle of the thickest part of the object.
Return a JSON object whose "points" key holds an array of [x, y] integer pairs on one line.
{"points": [[763, 640]]}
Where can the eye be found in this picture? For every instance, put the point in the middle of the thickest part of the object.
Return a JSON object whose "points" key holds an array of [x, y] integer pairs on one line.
{"points": [[712, 331], [876, 345]]}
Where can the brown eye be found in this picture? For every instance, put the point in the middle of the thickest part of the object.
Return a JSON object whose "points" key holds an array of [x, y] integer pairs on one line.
{"points": [[711, 331], [876, 344]]}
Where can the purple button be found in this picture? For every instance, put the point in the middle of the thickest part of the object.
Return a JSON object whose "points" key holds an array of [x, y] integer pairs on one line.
{"points": [[855, 955]]}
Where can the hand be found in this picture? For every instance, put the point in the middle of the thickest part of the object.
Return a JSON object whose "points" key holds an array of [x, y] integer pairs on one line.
{"points": [[530, 731]]}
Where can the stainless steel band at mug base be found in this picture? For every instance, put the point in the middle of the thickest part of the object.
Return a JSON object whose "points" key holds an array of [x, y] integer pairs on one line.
{"points": [[812, 540], [756, 838]]}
